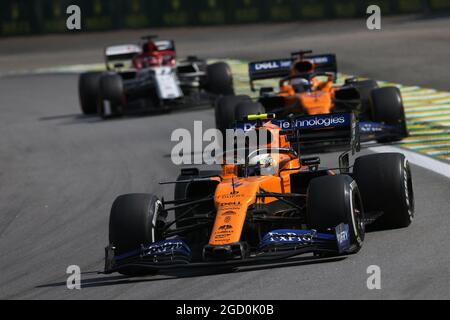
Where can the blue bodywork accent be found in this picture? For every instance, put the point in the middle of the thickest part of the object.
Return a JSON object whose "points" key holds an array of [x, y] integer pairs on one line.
{"points": [[290, 237], [294, 238], [275, 64], [342, 237], [372, 130], [367, 127], [166, 247], [327, 121]]}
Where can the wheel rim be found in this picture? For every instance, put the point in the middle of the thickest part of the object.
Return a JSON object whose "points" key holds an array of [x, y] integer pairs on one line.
{"points": [[409, 193], [357, 214], [359, 219]]}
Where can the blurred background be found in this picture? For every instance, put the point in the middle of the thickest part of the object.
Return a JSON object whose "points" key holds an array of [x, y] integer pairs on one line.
{"points": [[23, 17]]}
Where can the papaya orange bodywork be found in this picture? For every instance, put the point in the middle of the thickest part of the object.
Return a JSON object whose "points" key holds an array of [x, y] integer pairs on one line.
{"points": [[317, 101], [234, 195]]}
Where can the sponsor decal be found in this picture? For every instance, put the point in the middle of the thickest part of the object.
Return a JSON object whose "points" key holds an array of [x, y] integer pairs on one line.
{"points": [[226, 227], [232, 203], [222, 236], [315, 122], [342, 237], [370, 127], [227, 219], [270, 65], [266, 65], [232, 195], [165, 246], [294, 236], [320, 60]]}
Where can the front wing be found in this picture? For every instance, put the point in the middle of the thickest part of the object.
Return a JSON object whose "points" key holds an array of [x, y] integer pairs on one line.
{"points": [[275, 245], [369, 130]]}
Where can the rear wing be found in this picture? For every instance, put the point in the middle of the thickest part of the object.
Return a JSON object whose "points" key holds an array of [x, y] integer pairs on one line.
{"points": [[165, 45], [324, 62], [280, 68], [319, 131], [120, 54]]}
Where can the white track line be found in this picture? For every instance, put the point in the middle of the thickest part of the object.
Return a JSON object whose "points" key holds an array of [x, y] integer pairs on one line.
{"points": [[418, 159]]}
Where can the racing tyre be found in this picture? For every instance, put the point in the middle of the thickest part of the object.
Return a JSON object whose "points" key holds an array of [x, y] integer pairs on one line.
{"points": [[246, 108], [88, 90], [342, 205], [135, 219], [224, 111], [112, 97], [219, 79], [387, 107], [385, 183]]}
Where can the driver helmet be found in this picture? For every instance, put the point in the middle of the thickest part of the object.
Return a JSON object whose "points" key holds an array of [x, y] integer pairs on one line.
{"points": [[301, 84], [266, 163]]}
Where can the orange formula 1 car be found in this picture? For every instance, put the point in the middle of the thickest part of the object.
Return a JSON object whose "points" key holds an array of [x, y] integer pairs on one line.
{"points": [[272, 204], [307, 86]]}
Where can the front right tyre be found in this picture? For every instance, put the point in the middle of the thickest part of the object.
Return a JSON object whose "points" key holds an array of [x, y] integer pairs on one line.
{"points": [[135, 219], [332, 200]]}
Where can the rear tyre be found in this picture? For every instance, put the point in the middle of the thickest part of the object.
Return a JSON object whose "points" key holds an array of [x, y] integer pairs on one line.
{"points": [[219, 79], [246, 108], [342, 205], [135, 219], [225, 109], [88, 91], [387, 107], [112, 96], [385, 183]]}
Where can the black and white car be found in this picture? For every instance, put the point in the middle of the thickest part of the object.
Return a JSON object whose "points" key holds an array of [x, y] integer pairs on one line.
{"points": [[147, 77]]}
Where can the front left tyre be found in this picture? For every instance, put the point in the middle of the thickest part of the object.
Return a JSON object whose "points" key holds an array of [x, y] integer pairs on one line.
{"points": [[112, 95]]}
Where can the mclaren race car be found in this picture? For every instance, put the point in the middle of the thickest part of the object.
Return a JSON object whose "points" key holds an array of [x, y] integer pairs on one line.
{"points": [[267, 203], [307, 86], [147, 77]]}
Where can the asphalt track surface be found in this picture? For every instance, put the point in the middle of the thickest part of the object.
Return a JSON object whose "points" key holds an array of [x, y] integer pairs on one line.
{"points": [[60, 171]]}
